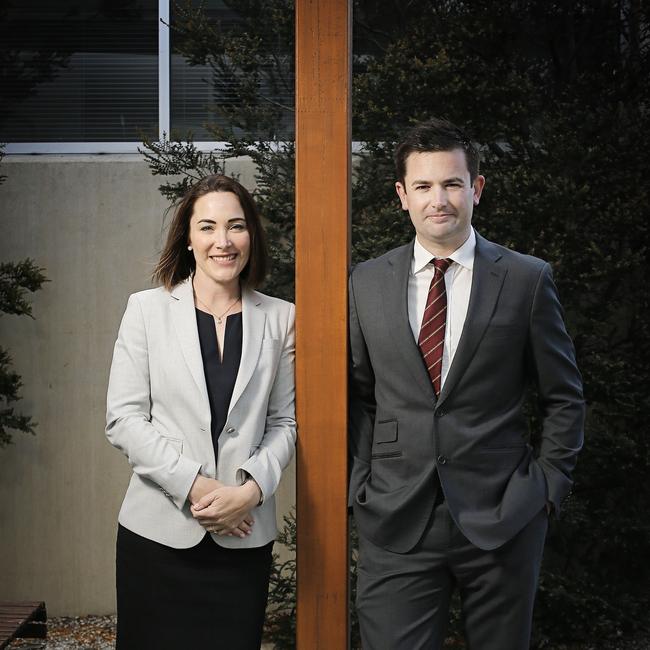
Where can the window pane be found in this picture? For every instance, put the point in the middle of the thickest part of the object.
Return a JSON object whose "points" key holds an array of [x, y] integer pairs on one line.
{"points": [[79, 71], [215, 89]]}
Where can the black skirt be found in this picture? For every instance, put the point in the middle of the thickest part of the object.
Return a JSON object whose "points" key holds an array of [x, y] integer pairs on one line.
{"points": [[206, 596]]}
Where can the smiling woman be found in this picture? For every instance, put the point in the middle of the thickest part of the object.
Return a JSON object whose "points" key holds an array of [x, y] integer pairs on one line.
{"points": [[201, 401], [177, 262], [220, 240]]}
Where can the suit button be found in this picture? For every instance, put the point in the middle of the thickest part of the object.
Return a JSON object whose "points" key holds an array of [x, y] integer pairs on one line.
{"points": [[230, 430], [440, 413], [442, 460]]}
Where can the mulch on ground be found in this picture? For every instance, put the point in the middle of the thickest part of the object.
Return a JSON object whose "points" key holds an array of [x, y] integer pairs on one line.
{"points": [[98, 633], [79, 632]]}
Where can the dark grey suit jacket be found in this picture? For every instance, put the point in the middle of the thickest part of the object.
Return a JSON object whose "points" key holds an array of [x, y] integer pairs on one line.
{"points": [[495, 476]]}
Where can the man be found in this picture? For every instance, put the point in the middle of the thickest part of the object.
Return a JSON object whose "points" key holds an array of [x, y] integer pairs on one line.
{"points": [[448, 487]]}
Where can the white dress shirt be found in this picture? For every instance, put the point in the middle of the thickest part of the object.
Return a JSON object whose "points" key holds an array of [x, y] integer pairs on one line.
{"points": [[458, 284]]}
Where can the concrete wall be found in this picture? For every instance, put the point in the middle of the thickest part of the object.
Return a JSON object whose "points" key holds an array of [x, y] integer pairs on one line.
{"points": [[95, 223]]}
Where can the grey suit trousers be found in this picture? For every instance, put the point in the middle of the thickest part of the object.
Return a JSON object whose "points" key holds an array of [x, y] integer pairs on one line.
{"points": [[497, 588]]}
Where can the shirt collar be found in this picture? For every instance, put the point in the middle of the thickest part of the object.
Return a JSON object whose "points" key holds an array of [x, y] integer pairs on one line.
{"points": [[464, 255]]}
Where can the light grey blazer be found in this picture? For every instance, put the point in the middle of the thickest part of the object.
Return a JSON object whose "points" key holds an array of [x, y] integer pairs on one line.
{"points": [[158, 413]]}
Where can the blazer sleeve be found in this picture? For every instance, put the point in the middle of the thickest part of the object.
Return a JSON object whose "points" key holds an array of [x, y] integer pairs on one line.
{"points": [[362, 404], [559, 387], [279, 441], [128, 415]]}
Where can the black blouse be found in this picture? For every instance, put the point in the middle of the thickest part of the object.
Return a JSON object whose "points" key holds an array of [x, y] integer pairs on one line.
{"points": [[220, 375]]}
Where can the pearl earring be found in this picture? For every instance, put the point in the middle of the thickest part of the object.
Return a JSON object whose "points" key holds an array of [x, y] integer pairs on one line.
{"points": [[189, 248]]}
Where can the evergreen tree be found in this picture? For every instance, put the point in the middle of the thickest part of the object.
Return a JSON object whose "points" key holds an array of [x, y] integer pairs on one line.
{"points": [[16, 278]]}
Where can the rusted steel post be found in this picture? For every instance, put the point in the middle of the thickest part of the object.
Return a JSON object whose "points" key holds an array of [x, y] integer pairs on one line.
{"points": [[323, 80]]}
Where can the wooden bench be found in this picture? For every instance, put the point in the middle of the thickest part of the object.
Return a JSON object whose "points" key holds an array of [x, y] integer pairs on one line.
{"points": [[26, 620]]}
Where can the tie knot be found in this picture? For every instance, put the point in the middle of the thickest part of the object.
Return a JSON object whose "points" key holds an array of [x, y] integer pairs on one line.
{"points": [[441, 264]]}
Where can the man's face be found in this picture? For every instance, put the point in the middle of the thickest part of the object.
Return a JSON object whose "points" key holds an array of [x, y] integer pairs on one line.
{"points": [[440, 198]]}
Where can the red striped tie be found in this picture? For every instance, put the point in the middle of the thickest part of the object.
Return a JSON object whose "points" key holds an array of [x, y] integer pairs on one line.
{"points": [[432, 332]]}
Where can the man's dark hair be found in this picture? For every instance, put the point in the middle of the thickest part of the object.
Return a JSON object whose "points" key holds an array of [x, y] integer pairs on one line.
{"points": [[435, 135]]}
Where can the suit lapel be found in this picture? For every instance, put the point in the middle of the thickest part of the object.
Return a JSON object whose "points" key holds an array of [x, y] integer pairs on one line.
{"points": [[487, 280], [395, 296], [184, 320], [253, 320]]}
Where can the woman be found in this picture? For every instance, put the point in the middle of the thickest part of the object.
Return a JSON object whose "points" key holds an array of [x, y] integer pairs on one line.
{"points": [[201, 401]]}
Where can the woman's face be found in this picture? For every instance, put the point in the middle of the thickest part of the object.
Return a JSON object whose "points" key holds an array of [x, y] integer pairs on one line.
{"points": [[219, 237]]}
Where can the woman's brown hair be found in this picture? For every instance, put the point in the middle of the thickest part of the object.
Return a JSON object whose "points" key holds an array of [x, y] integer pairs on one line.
{"points": [[176, 263]]}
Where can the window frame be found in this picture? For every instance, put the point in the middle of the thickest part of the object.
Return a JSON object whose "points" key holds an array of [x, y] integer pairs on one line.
{"points": [[164, 109]]}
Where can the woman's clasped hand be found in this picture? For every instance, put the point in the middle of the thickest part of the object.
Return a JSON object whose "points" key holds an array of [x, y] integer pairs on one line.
{"points": [[225, 510]]}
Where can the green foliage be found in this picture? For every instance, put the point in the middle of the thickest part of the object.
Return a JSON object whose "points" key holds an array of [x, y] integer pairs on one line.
{"points": [[251, 61], [557, 95], [15, 280], [280, 620], [280, 624], [251, 127], [561, 109]]}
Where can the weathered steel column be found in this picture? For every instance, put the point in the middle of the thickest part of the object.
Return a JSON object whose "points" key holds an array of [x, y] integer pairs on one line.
{"points": [[323, 80]]}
